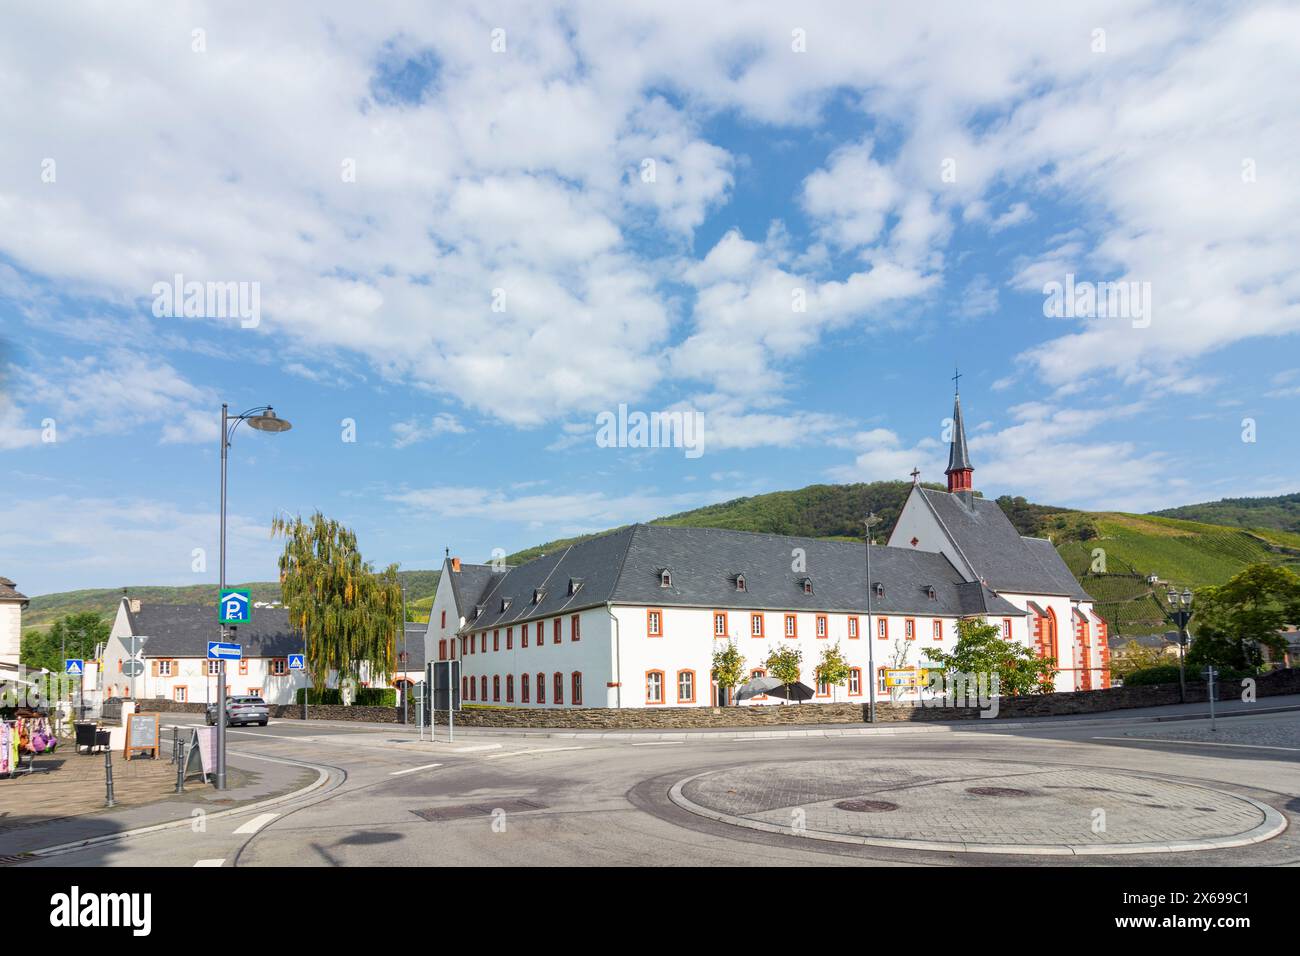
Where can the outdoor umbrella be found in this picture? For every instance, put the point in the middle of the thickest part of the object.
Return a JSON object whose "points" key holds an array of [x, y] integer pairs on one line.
{"points": [[795, 691], [756, 687]]}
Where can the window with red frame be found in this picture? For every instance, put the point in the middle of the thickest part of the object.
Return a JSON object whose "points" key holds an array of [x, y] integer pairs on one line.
{"points": [[555, 633], [541, 688], [559, 688], [444, 617], [523, 688], [756, 625], [938, 630], [719, 623], [523, 636], [510, 688], [821, 625], [483, 687], [575, 628], [654, 687], [510, 638], [791, 626], [853, 628], [882, 629], [496, 688], [496, 639], [909, 629], [654, 623], [577, 689], [855, 682]]}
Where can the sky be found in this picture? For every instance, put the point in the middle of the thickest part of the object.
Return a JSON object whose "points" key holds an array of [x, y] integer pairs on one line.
{"points": [[465, 235]]}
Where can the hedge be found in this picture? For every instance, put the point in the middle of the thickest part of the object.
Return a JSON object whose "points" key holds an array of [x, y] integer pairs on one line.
{"points": [[366, 696]]}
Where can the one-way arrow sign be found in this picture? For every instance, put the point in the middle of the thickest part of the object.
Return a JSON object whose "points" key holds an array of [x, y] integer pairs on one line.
{"points": [[219, 651]]}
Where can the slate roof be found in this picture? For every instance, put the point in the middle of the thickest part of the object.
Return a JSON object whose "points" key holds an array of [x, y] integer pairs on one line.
{"points": [[183, 630], [958, 456], [468, 584], [996, 552], [624, 568], [414, 648], [10, 593]]}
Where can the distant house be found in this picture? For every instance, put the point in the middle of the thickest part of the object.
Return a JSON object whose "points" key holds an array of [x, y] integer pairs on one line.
{"points": [[12, 604], [172, 647]]}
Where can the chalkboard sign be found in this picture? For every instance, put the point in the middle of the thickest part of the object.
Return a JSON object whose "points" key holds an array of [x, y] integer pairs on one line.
{"points": [[142, 734]]}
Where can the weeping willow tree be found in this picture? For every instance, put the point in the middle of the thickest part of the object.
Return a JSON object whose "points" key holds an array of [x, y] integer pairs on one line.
{"points": [[348, 614]]}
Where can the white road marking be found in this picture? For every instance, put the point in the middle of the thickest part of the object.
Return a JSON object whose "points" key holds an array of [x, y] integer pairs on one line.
{"points": [[255, 824], [1200, 743], [210, 863], [476, 748], [538, 750], [658, 743], [427, 766]]}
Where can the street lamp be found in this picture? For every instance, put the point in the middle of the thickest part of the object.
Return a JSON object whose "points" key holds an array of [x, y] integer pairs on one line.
{"points": [[871, 634], [1178, 611], [264, 419]]}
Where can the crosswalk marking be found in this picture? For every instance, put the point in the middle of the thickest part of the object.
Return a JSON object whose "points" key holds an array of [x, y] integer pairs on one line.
{"points": [[210, 863], [538, 750], [255, 824], [427, 766]]}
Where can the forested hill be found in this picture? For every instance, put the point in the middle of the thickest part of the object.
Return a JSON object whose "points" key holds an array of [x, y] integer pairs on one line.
{"points": [[1281, 512]]}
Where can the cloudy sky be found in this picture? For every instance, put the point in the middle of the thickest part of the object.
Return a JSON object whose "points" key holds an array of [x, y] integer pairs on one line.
{"points": [[471, 230]]}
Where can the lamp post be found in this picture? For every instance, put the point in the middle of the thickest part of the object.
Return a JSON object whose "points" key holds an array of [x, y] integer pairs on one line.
{"points": [[871, 634], [1179, 613], [405, 681], [264, 419]]}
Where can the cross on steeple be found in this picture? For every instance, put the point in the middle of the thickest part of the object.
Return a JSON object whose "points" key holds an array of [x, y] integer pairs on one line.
{"points": [[956, 385], [916, 474]]}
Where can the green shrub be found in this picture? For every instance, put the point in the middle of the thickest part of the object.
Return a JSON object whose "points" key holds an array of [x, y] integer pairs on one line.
{"points": [[1160, 674], [325, 695], [376, 697]]}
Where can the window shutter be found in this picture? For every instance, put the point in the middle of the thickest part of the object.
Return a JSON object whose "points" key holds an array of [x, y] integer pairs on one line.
{"points": [[153, 668]]}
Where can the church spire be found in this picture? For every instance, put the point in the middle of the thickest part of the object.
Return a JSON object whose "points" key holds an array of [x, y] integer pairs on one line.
{"points": [[959, 466]]}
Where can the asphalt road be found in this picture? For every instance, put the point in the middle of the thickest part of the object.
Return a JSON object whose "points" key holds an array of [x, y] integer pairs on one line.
{"points": [[517, 800]]}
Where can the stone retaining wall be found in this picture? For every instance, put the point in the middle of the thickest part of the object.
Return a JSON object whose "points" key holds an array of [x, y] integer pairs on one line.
{"points": [[1039, 705]]}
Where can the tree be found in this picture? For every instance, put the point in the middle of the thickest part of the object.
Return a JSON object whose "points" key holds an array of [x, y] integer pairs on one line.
{"points": [[834, 666], [981, 650], [729, 667], [348, 615], [75, 635], [1239, 619], [785, 664], [1135, 657]]}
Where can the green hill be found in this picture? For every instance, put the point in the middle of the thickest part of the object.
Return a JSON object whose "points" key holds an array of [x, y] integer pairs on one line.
{"points": [[47, 608], [1281, 512], [1112, 553]]}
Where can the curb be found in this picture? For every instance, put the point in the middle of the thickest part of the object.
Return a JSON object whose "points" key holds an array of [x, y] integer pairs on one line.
{"points": [[322, 775]]}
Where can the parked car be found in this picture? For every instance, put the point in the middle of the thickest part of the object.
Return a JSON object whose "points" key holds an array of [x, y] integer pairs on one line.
{"points": [[241, 710]]}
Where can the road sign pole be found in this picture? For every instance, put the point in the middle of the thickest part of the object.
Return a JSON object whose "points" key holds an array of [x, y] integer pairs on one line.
{"points": [[221, 721]]}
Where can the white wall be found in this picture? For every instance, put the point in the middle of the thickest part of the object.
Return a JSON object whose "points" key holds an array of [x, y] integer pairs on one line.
{"points": [[614, 659], [11, 631]]}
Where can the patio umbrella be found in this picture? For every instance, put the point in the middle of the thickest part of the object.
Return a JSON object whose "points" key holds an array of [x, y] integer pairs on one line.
{"points": [[796, 691], [756, 687]]}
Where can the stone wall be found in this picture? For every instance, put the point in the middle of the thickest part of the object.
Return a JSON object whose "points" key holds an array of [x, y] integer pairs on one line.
{"points": [[1040, 705]]}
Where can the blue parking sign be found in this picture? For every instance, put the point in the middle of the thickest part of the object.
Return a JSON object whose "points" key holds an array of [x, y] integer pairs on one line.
{"points": [[235, 607]]}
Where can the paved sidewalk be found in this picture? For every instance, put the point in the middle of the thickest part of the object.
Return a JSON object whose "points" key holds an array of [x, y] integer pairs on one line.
{"points": [[67, 804]]}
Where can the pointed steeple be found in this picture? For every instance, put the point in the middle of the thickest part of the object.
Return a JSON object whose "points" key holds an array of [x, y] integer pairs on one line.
{"points": [[959, 466]]}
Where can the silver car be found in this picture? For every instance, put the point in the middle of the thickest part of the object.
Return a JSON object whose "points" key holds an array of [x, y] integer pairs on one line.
{"points": [[241, 710]]}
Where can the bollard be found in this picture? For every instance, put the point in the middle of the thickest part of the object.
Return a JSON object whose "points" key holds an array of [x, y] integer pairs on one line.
{"points": [[108, 776], [176, 744]]}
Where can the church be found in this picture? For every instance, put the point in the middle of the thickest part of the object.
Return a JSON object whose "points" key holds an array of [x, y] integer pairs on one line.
{"points": [[632, 618]]}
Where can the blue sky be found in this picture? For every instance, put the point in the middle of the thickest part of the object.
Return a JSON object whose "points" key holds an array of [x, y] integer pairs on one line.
{"points": [[917, 178]]}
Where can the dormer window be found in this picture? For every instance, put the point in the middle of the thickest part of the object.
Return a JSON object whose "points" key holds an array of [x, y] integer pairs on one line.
{"points": [[665, 578], [807, 586], [538, 594], [880, 589], [931, 593], [478, 611], [740, 582], [575, 585], [505, 604]]}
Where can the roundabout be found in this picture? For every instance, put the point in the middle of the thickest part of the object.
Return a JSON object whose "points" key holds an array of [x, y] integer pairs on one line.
{"points": [[978, 806]]}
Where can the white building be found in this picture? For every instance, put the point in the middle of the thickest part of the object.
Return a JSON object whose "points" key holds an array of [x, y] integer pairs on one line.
{"points": [[172, 646], [12, 604], [631, 618]]}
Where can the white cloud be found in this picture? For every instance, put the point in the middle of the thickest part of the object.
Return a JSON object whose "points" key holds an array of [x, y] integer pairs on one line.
{"points": [[421, 429]]}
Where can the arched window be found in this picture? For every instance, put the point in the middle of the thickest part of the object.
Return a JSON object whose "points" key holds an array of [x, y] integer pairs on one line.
{"points": [[654, 687], [541, 688], [559, 688], [483, 687], [577, 688], [510, 688], [855, 682], [523, 688], [496, 688]]}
